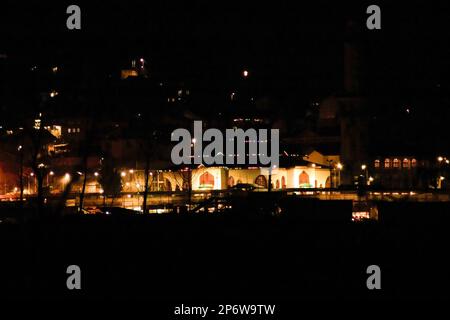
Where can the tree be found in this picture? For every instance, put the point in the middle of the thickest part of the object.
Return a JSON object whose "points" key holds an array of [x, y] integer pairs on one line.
{"points": [[110, 180]]}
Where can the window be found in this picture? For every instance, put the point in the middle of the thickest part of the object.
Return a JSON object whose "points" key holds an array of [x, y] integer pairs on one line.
{"points": [[69, 130], [414, 163], [377, 163], [387, 163], [406, 163], [396, 163]]}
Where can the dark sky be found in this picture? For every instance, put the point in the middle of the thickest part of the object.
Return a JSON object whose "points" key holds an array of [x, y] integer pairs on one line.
{"points": [[290, 48]]}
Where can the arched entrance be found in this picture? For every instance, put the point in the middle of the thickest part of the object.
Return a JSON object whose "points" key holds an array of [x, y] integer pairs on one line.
{"points": [[304, 180], [230, 181], [207, 180], [261, 181]]}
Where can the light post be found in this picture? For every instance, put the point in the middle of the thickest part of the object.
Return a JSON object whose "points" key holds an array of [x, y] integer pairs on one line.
{"points": [[339, 166], [366, 178], [330, 166]]}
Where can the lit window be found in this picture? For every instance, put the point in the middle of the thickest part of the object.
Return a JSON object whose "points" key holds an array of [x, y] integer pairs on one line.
{"points": [[413, 163], [69, 130], [406, 163], [377, 163], [387, 163], [396, 163]]}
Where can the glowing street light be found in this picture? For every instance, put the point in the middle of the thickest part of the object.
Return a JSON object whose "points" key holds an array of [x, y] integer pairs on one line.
{"points": [[363, 167], [51, 173], [440, 159], [96, 174], [123, 173], [339, 166], [245, 73]]}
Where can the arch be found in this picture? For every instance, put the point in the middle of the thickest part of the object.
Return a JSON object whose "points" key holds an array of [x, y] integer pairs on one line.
{"points": [[406, 163], [206, 180], [327, 183], [413, 163], [168, 185], [396, 163], [387, 163], [283, 182], [230, 181], [304, 180], [277, 184], [261, 181], [377, 163]]}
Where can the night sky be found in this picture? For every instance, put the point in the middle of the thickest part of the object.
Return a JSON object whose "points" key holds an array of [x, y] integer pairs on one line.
{"points": [[293, 51]]}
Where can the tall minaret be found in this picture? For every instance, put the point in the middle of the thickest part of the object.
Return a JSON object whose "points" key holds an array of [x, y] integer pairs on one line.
{"points": [[353, 64], [353, 111]]}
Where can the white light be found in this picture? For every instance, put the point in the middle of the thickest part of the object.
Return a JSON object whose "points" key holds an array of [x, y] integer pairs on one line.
{"points": [[363, 167], [52, 173], [194, 140], [96, 174], [123, 174], [245, 73]]}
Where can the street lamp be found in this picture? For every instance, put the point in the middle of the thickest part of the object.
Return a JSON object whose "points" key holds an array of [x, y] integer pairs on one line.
{"points": [[366, 178], [245, 73]]}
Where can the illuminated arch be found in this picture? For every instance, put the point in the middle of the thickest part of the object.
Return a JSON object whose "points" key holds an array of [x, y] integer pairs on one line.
{"points": [[230, 181], [304, 180], [261, 181], [207, 180]]}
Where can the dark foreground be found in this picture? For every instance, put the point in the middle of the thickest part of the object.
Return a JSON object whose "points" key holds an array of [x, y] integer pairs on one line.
{"points": [[208, 258]]}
